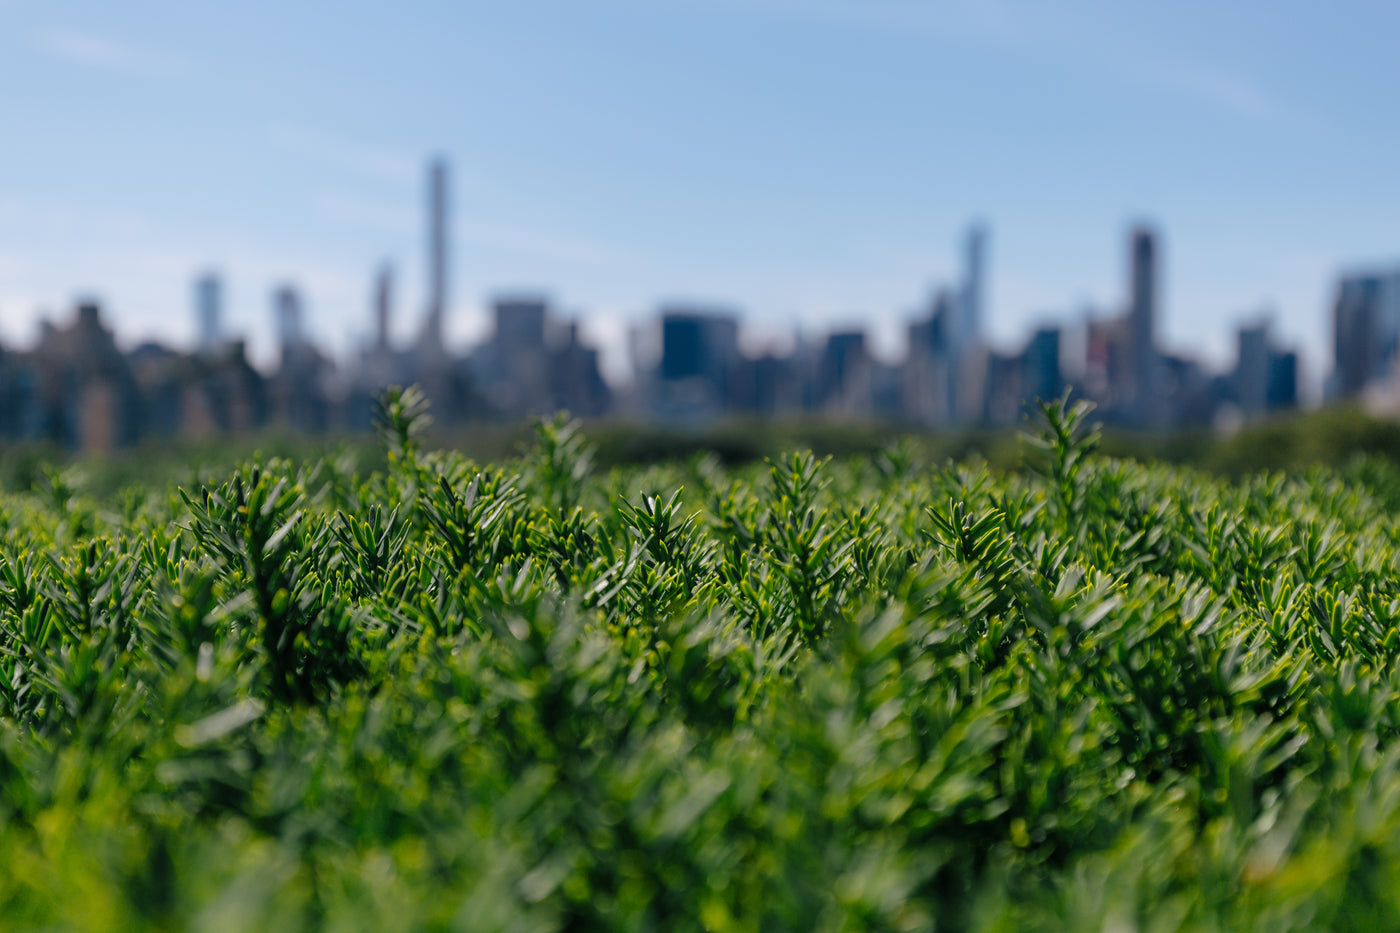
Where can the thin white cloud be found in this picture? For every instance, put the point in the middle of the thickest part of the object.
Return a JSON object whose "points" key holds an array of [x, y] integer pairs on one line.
{"points": [[545, 244], [380, 162], [104, 53], [960, 18], [403, 220], [369, 214], [1020, 29], [1213, 87]]}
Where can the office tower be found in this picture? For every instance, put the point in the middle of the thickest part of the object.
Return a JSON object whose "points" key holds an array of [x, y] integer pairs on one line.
{"points": [[514, 369], [208, 308], [699, 363], [1041, 376], [1252, 370], [383, 305], [682, 345], [1142, 319], [927, 378], [1283, 380], [437, 253], [1265, 377], [967, 369], [846, 376], [698, 343], [1366, 331], [519, 323], [967, 329], [286, 314]]}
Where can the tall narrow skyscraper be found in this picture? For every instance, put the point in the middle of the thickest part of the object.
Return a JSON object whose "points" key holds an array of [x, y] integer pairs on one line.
{"points": [[208, 308], [1142, 317], [286, 314], [437, 253], [968, 329], [383, 305], [966, 372]]}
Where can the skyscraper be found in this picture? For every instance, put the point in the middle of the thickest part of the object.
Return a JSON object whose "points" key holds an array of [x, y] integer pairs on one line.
{"points": [[1366, 331], [699, 362], [208, 308], [520, 322], [1252, 373], [967, 370], [1142, 317], [286, 313], [968, 327], [437, 253], [383, 305]]}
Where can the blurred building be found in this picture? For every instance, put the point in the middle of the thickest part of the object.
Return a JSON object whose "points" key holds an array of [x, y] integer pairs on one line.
{"points": [[75, 388], [928, 375], [1365, 325], [535, 363], [297, 389], [208, 309], [846, 379], [1142, 312], [698, 374], [1041, 375]]}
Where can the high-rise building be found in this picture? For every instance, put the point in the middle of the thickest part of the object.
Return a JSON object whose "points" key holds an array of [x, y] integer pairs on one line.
{"points": [[383, 305], [699, 362], [1366, 331], [208, 309], [927, 374], [1142, 321], [1041, 377], [1265, 379], [1252, 369], [438, 272], [1283, 380], [520, 322], [967, 328], [287, 318]]}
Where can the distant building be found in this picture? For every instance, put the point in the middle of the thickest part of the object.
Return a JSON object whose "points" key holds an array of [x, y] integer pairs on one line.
{"points": [[1252, 370], [968, 362], [575, 378], [208, 309], [1283, 380], [513, 367], [929, 366], [1366, 327], [297, 390], [438, 270], [79, 390], [383, 306], [698, 373], [1040, 373], [846, 378], [967, 327], [1142, 321]]}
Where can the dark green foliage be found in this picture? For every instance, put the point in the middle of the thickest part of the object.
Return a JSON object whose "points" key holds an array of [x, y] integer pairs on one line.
{"points": [[817, 694]]}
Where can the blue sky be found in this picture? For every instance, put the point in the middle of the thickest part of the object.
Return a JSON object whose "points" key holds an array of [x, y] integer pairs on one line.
{"points": [[810, 161]]}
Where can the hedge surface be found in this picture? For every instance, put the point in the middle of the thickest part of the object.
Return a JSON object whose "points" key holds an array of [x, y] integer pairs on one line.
{"points": [[873, 693]]}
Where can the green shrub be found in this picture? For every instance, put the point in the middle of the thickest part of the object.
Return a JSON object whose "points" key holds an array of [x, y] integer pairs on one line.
{"points": [[871, 692]]}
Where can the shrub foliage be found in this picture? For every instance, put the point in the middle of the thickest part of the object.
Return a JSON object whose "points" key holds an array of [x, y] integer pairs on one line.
{"points": [[873, 693]]}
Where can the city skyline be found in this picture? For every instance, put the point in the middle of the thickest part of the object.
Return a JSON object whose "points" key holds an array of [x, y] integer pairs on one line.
{"points": [[79, 388], [1124, 373], [812, 161]]}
